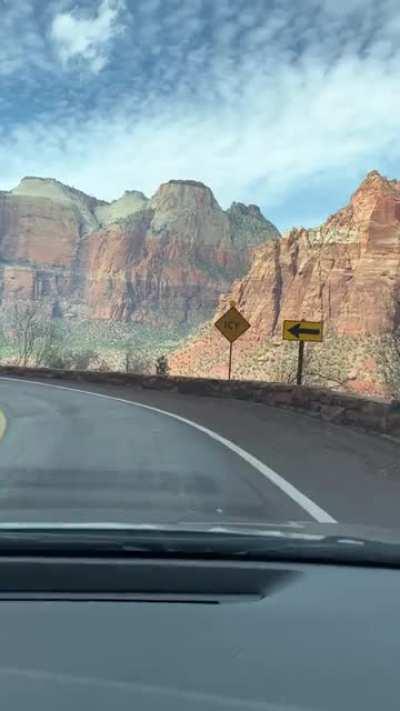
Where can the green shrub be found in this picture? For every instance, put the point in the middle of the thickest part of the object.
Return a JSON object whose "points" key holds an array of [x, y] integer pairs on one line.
{"points": [[162, 366]]}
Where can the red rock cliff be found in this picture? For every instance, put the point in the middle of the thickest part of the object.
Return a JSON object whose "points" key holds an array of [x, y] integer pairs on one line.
{"points": [[165, 260], [346, 273]]}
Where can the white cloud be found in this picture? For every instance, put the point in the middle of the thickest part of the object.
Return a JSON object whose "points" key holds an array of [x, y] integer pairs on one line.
{"points": [[282, 132], [254, 121], [87, 38], [21, 44]]}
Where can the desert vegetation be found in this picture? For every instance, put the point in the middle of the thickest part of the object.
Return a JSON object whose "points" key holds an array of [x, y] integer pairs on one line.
{"points": [[29, 337]]}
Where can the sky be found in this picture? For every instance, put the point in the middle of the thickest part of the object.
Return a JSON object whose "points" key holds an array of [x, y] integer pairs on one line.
{"points": [[283, 103]]}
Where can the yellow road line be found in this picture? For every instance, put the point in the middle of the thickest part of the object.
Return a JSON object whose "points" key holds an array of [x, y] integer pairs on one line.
{"points": [[3, 424]]}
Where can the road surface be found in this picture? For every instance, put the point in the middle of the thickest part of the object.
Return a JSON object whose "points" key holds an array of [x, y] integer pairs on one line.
{"points": [[68, 455]]}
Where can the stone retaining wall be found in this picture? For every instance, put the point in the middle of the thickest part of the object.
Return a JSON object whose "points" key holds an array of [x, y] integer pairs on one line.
{"points": [[329, 405]]}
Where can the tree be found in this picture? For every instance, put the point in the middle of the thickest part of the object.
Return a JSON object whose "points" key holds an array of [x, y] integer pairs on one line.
{"points": [[129, 356], [139, 364], [55, 358], [327, 364], [82, 360], [24, 330], [49, 342], [32, 332], [162, 366], [386, 351], [134, 361]]}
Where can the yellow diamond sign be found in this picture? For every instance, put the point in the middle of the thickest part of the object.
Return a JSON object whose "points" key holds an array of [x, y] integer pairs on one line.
{"points": [[232, 324]]}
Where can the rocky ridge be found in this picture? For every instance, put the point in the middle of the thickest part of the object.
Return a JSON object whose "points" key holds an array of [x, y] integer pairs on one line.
{"points": [[164, 260], [346, 273]]}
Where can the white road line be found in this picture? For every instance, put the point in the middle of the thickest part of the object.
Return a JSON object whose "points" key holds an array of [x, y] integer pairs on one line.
{"points": [[3, 424], [315, 511]]}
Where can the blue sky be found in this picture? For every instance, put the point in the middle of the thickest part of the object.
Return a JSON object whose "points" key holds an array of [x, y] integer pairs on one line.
{"points": [[283, 103]]}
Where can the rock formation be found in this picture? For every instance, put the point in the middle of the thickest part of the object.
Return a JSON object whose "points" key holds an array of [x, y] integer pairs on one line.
{"points": [[164, 260], [346, 273]]}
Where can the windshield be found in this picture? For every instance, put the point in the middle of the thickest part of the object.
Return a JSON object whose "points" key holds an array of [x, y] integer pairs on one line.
{"points": [[200, 266]]}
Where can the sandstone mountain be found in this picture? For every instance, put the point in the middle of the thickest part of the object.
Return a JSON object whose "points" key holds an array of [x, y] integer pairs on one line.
{"points": [[164, 260], [346, 273]]}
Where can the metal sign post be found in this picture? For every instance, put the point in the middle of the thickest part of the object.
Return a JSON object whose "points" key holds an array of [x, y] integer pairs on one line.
{"points": [[300, 363], [232, 325], [230, 360]]}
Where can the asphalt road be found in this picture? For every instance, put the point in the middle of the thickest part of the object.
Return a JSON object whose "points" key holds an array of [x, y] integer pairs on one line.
{"points": [[67, 455]]}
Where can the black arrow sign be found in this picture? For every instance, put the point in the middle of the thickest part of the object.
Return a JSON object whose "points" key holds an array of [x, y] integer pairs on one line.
{"points": [[298, 331]]}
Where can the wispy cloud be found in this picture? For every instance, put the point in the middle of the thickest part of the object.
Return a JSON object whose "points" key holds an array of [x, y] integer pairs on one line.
{"points": [[259, 100], [87, 37], [21, 43]]}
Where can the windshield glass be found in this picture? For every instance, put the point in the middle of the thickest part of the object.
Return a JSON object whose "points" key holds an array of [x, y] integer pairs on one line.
{"points": [[200, 264]]}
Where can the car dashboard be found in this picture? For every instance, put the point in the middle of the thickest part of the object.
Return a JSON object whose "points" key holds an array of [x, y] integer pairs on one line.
{"points": [[178, 634]]}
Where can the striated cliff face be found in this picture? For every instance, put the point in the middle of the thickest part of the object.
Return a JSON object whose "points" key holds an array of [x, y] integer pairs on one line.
{"points": [[171, 261], [158, 261], [165, 261], [346, 273]]}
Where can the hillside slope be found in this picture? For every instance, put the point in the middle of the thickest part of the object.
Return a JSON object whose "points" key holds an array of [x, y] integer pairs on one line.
{"points": [[346, 273]]}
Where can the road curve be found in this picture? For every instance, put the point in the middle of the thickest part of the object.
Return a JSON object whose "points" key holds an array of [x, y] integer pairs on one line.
{"points": [[68, 455], [72, 456]]}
